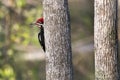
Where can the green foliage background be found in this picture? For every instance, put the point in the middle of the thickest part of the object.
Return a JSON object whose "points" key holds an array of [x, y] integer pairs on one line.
{"points": [[15, 17]]}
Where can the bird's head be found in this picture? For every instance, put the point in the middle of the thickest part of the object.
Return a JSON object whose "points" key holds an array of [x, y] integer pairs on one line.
{"points": [[39, 22]]}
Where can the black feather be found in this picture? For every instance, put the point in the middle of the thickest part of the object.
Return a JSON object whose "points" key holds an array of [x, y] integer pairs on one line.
{"points": [[41, 38]]}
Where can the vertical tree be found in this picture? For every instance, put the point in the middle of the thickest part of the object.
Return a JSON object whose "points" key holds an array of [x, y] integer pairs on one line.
{"points": [[106, 40], [57, 40]]}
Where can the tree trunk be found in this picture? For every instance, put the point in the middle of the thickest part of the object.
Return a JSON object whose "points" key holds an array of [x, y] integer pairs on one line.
{"points": [[57, 40], [106, 40]]}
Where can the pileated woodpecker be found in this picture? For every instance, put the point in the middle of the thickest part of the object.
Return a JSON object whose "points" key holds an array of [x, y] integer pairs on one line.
{"points": [[39, 23]]}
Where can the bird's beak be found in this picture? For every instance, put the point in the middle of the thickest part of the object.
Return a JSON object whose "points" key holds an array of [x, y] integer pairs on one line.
{"points": [[32, 24], [37, 24]]}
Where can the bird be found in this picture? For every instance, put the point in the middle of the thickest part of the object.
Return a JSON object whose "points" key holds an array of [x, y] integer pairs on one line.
{"points": [[39, 23]]}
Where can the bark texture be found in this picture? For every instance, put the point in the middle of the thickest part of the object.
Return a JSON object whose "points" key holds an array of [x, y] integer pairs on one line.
{"points": [[57, 40], [106, 40]]}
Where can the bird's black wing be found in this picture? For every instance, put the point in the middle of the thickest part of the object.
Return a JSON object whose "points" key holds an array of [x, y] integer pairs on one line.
{"points": [[41, 38]]}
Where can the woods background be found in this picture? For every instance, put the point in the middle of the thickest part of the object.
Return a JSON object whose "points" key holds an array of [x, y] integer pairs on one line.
{"points": [[20, 54]]}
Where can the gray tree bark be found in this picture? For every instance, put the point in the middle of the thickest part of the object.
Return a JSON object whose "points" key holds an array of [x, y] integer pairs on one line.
{"points": [[57, 40], [106, 40]]}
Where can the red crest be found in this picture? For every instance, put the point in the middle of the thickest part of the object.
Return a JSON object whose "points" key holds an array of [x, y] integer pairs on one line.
{"points": [[40, 20]]}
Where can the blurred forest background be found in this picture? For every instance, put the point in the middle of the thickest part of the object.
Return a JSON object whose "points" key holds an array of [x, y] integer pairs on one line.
{"points": [[21, 57]]}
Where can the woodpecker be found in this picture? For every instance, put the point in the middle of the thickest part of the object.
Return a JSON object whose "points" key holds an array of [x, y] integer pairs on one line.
{"points": [[39, 23]]}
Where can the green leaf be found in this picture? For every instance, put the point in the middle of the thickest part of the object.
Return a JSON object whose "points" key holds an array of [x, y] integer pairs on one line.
{"points": [[21, 3]]}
